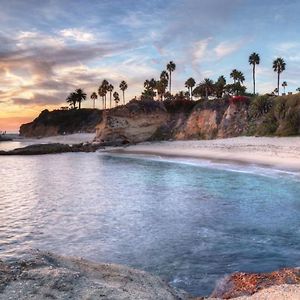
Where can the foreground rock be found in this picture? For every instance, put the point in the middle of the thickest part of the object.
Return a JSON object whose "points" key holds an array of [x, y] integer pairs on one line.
{"points": [[47, 276], [55, 148], [245, 284]]}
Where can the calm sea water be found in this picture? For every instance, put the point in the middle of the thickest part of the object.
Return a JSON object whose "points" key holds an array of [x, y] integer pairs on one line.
{"points": [[189, 222]]}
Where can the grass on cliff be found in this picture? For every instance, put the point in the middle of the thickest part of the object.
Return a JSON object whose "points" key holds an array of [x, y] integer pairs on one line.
{"points": [[279, 116]]}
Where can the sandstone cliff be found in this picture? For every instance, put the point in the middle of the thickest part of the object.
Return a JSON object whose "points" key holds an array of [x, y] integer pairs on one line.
{"points": [[62, 122], [135, 122], [151, 120]]}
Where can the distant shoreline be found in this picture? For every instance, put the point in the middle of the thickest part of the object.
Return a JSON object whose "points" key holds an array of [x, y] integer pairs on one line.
{"points": [[282, 153]]}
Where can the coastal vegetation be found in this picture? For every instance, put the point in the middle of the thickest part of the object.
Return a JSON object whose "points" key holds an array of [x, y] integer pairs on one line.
{"points": [[161, 89]]}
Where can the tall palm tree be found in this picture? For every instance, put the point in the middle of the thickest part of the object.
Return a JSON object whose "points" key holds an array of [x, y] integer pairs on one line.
{"points": [[254, 60], [190, 83], [110, 88], [171, 68], [116, 98], [80, 95], [101, 93], [105, 85], [284, 84], [94, 97], [278, 66], [123, 87]]}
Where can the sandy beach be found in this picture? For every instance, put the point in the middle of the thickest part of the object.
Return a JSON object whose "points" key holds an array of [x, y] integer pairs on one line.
{"points": [[282, 153]]}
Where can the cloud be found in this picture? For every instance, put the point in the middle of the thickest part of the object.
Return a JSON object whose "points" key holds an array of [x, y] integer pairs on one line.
{"points": [[77, 35], [226, 48], [40, 100], [200, 49], [34, 66]]}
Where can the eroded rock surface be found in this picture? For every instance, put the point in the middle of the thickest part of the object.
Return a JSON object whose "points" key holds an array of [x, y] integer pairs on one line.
{"points": [[245, 284], [52, 148], [48, 276]]}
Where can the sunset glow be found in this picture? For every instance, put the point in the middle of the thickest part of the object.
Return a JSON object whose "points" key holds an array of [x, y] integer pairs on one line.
{"points": [[65, 45]]}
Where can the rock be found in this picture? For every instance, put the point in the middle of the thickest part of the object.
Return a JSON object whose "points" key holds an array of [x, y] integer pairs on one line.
{"points": [[54, 148], [245, 284], [135, 122], [48, 276]]}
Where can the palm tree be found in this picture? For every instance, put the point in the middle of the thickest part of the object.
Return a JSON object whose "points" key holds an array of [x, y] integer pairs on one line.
{"points": [[208, 86], [234, 75], [164, 75], [116, 97], [101, 93], [149, 86], [72, 99], [171, 68], [284, 84], [254, 60], [94, 97], [105, 85], [110, 88], [278, 66], [241, 77], [123, 87], [80, 95], [190, 83], [298, 90], [220, 86]]}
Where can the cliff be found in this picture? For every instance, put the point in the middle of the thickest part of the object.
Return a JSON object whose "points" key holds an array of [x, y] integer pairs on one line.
{"points": [[151, 120], [205, 119], [62, 122], [179, 119]]}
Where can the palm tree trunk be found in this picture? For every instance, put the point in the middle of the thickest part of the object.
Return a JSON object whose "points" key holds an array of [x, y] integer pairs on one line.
{"points": [[110, 99], [253, 79], [124, 97], [278, 79], [191, 93], [170, 82], [79, 103], [94, 104]]}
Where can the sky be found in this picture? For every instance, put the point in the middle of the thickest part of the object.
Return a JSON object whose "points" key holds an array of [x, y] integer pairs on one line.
{"points": [[49, 48]]}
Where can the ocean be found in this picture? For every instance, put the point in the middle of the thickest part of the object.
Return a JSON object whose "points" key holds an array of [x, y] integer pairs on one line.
{"points": [[191, 222]]}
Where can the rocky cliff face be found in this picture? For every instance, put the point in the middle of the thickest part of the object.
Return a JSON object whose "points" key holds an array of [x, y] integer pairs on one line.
{"points": [[62, 122], [150, 120], [135, 122]]}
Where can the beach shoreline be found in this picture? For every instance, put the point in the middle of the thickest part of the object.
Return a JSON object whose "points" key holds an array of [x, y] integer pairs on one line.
{"points": [[274, 152]]}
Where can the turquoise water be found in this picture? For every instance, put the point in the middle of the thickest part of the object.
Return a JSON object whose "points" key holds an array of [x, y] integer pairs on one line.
{"points": [[189, 222]]}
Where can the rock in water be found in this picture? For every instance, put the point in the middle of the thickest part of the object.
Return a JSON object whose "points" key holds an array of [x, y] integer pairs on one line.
{"points": [[48, 276], [241, 284]]}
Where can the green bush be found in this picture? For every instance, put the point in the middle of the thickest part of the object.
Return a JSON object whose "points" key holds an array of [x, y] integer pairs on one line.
{"points": [[260, 106]]}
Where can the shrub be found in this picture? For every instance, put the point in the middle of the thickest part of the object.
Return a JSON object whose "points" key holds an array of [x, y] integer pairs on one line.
{"points": [[238, 99], [260, 105], [179, 105]]}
